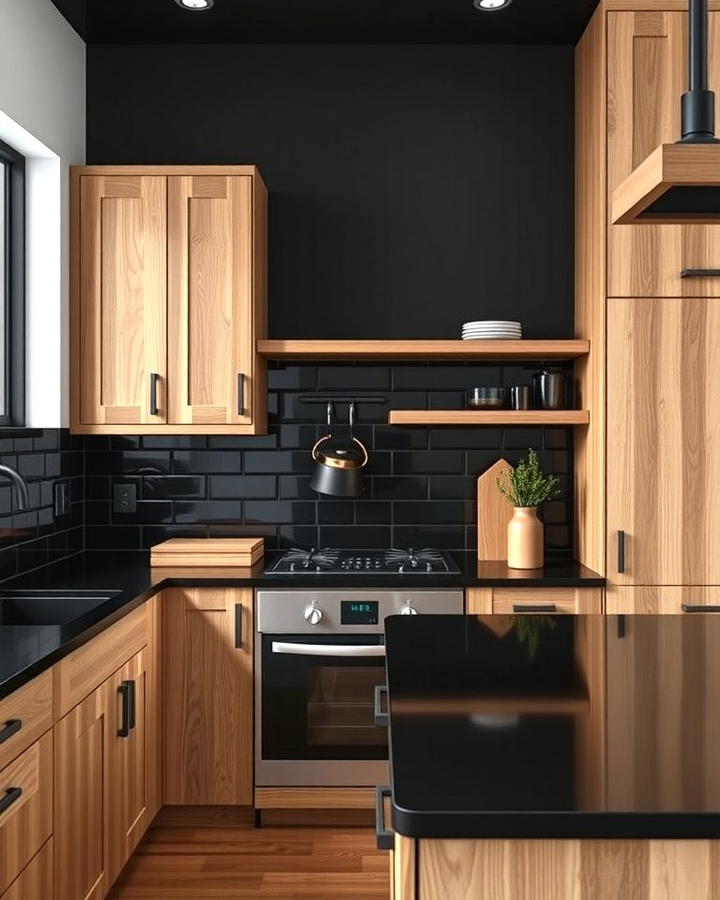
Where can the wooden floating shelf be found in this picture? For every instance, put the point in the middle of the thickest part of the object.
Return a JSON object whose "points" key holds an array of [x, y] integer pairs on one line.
{"points": [[488, 417], [423, 350]]}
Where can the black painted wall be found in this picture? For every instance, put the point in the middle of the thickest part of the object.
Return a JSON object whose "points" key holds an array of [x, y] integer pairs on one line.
{"points": [[421, 482], [411, 187]]}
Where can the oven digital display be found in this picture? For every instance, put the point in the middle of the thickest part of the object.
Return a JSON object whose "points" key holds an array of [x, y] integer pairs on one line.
{"points": [[358, 612]]}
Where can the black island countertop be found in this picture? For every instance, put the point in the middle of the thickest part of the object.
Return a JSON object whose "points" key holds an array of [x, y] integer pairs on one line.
{"points": [[26, 650], [555, 727]]}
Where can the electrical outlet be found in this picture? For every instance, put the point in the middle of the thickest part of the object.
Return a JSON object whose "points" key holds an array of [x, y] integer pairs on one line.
{"points": [[124, 498], [61, 498]]}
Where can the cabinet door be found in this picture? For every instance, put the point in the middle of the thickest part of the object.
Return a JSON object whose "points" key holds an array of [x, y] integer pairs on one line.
{"points": [[127, 770], [663, 600], [82, 746], [120, 325], [207, 696], [663, 460], [210, 282], [647, 66]]}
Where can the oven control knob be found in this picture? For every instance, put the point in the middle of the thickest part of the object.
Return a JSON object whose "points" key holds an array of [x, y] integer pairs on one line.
{"points": [[408, 610], [313, 614]]}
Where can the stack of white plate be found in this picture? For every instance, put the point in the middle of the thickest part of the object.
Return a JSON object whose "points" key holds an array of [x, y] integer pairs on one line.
{"points": [[491, 330]]}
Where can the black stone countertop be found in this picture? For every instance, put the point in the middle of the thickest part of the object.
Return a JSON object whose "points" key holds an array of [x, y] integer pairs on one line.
{"points": [[26, 650], [566, 727]]}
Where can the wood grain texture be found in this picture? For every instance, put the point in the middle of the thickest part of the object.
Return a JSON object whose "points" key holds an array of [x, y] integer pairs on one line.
{"points": [[204, 862], [571, 870], [207, 696], [493, 513], [210, 293], [153, 709], [663, 468], [314, 798], [404, 869], [478, 601], [35, 882], [83, 670], [658, 599], [351, 350], [590, 289], [32, 705], [488, 417], [207, 552], [121, 299], [81, 838], [647, 64], [572, 601], [260, 301], [28, 822]]}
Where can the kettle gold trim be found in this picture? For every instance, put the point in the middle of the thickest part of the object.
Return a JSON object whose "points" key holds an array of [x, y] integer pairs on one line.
{"points": [[338, 463]]}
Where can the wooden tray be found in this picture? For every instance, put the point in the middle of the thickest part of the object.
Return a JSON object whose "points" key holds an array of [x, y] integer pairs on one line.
{"points": [[208, 552]]}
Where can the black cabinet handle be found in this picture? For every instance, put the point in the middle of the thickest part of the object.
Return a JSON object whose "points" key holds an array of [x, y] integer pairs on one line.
{"points": [[154, 379], [621, 626], [12, 726], [126, 690], [621, 551], [132, 705], [698, 608], [238, 626], [700, 273], [384, 838], [241, 394], [382, 719], [11, 795], [534, 608]]}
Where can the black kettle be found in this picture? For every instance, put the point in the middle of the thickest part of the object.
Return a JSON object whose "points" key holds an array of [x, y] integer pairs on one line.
{"points": [[339, 464]]}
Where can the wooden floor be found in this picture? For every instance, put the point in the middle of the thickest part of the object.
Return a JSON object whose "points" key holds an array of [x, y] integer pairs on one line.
{"points": [[221, 854]]}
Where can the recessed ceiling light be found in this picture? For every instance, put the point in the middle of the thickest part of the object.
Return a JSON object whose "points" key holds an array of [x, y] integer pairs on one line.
{"points": [[195, 5], [491, 5]]}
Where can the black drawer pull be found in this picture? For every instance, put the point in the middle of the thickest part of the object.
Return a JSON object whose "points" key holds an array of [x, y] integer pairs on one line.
{"points": [[132, 705], [238, 626], [698, 608], [382, 719], [384, 838], [12, 726], [700, 273], [621, 552], [534, 608], [154, 408], [241, 394], [125, 690], [11, 795]]}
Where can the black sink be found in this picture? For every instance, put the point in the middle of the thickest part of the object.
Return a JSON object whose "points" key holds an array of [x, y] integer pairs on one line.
{"points": [[49, 607]]}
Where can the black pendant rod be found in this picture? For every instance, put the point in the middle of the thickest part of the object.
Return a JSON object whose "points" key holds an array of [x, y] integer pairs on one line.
{"points": [[698, 103]]}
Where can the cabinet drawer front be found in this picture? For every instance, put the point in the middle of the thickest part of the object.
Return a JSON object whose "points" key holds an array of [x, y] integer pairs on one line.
{"points": [[24, 716], [80, 673], [567, 601], [663, 600], [26, 822], [36, 879]]}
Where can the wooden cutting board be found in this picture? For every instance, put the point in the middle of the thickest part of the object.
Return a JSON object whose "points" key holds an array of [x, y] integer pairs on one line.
{"points": [[493, 513], [208, 552]]}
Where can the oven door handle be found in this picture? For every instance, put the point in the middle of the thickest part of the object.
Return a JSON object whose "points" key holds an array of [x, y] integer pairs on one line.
{"points": [[329, 649]]}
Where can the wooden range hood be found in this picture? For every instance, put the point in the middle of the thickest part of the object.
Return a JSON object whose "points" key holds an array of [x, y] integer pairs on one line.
{"points": [[680, 183]]}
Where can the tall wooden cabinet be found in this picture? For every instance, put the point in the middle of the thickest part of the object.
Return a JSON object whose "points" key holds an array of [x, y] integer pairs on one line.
{"points": [[208, 696], [168, 300], [648, 467]]}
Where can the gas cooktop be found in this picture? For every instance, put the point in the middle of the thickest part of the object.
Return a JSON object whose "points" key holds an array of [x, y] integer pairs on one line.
{"points": [[364, 562]]}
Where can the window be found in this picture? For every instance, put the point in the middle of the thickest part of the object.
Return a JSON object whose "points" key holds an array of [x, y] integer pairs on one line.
{"points": [[12, 286]]}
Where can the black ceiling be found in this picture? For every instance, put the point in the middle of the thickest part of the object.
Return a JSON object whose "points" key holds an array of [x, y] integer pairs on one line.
{"points": [[328, 21]]}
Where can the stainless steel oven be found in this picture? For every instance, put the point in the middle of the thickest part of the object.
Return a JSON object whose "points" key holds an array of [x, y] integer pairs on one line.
{"points": [[319, 656]]}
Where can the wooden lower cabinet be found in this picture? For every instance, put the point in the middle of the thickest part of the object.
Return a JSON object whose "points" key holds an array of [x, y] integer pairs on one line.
{"points": [[208, 695], [35, 882], [101, 806], [511, 601], [557, 869], [669, 599]]}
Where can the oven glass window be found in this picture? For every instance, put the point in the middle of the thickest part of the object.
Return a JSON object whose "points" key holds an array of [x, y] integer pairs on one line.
{"points": [[321, 707]]}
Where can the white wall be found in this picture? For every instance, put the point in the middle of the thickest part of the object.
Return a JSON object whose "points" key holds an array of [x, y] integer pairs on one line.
{"points": [[42, 114]]}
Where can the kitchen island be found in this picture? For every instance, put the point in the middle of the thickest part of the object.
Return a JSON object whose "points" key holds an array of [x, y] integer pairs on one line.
{"points": [[563, 758]]}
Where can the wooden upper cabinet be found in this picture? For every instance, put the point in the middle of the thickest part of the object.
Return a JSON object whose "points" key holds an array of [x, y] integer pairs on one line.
{"points": [[121, 347], [211, 336], [647, 73], [663, 437], [168, 300]]}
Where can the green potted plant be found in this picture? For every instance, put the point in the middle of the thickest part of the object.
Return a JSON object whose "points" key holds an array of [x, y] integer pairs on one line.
{"points": [[526, 488]]}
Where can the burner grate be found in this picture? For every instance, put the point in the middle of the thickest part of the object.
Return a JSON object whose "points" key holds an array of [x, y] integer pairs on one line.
{"points": [[395, 561]]}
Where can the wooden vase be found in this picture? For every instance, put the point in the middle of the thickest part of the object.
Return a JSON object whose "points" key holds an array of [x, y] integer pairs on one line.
{"points": [[525, 539]]}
